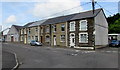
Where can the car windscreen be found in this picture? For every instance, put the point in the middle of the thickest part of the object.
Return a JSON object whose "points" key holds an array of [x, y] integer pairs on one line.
{"points": [[33, 41]]}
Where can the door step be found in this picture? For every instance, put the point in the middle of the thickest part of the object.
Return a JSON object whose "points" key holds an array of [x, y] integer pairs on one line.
{"points": [[91, 48]]}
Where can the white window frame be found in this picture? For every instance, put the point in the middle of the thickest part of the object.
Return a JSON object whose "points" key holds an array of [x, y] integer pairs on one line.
{"points": [[54, 27], [80, 37], [47, 29], [80, 26], [73, 26], [61, 39]]}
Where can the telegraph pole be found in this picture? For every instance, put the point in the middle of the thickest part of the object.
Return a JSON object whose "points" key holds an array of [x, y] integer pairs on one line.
{"points": [[93, 8]]}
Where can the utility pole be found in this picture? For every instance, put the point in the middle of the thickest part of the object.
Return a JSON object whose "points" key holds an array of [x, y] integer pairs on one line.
{"points": [[93, 7]]}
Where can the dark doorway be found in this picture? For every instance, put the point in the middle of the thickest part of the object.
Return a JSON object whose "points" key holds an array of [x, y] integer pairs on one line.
{"points": [[41, 39], [12, 38]]}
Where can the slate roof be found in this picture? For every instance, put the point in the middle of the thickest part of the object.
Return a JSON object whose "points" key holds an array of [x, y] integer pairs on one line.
{"points": [[17, 27], [87, 14], [28, 24], [60, 19], [37, 23]]}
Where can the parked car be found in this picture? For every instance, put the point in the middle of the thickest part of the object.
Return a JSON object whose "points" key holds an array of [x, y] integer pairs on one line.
{"points": [[2, 40], [114, 43], [35, 43]]}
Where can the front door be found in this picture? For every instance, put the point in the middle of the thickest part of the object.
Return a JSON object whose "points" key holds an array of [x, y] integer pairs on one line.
{"points": [[41, 39], [12, 39], [25, 40], [72, 40], [54, 41]]}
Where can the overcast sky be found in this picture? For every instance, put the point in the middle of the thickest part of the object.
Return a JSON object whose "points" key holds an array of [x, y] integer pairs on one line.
{"points": [[21, 12]]}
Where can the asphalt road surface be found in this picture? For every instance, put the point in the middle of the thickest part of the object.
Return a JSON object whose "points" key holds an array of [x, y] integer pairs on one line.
{"points": [[48, 57], [8, 60]]}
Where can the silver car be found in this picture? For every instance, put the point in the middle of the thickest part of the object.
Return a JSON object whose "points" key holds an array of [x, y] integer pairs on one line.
{"points": [[35, 43]]}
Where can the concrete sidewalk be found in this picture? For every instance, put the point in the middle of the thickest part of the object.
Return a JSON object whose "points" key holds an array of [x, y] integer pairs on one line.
{"points": [[8, 60]]}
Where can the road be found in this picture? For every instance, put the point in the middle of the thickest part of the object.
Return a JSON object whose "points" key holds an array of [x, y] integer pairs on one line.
{"points": [[48, 57], [9, 61]]}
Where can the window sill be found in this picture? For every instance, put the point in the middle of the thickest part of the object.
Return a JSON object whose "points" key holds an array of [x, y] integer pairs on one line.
{"points": [[83, 30], [62, 41], [83, 42]]}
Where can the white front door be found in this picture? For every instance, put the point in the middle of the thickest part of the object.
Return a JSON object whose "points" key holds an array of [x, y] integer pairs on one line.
{"points": [[54, 41], [72, 40]]}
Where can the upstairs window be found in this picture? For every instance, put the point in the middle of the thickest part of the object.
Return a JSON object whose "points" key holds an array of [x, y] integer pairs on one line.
{"points": [[36, 29], [62, 27], [72, 26], [54, 28], [83, 25], [29, 31], [47, 29]]}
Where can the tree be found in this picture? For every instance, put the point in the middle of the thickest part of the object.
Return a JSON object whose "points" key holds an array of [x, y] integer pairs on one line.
{"points": [[114, 23]]}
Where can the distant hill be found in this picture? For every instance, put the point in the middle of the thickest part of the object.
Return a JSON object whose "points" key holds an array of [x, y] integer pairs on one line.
{"points": [[114, 23]]}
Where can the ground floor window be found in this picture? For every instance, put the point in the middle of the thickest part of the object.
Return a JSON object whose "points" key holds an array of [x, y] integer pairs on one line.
{"points": [[83, 37], [47, 39], [62, 38]]}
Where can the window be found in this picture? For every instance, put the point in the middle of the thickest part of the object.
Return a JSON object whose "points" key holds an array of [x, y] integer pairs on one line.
{"points": [[83, 25], [83, 37], [54, 28], [62, 38], [29, 31], [72, 26], [47, 29], [36, 29], [47, 39], [62, 27]]}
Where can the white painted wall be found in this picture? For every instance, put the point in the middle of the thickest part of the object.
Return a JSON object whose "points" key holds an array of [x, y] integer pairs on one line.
{"points": [[101, 33], [13, 32]]}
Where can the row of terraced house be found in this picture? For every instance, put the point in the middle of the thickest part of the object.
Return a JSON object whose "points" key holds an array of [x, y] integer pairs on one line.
{"points": [[76, 30]]}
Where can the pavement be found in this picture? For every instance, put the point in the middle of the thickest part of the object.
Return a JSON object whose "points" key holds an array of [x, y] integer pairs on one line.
{"points": [[49, 57], [8, 60]]}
